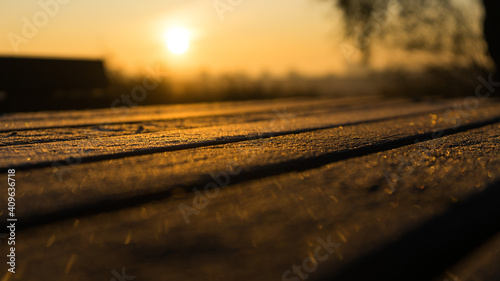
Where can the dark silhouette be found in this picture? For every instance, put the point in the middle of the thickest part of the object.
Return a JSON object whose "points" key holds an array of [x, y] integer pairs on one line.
{"points": [[44, 83], [491, 34], [25, 75]]}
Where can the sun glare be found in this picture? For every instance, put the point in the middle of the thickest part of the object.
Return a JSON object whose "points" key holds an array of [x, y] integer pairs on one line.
{"points": [[177, 40]]}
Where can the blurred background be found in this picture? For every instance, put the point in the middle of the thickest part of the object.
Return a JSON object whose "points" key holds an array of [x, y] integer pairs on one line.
{"points": [[180, 51]]}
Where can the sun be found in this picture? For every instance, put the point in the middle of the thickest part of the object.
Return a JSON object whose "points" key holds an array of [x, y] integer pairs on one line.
{"points": [[177, 39]]}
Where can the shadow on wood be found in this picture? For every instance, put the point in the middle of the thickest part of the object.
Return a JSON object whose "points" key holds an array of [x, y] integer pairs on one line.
{"points": [[434, 246]]}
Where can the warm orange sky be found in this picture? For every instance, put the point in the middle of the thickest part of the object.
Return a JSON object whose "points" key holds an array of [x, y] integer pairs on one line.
{"points": [[255, 36]]}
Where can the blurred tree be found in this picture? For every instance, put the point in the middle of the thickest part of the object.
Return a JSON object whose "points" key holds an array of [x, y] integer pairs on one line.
{"points": [[491, 25], [429, 25]]}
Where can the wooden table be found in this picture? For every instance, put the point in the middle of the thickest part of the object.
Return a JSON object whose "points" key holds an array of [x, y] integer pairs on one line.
{"points": [[290, 189]]}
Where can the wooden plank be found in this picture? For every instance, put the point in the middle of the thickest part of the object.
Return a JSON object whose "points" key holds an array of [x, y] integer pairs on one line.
{"points": [[257, 230], [65, 133], [135, 114], [358, 175], [44, 154], [482, 264], [114, 183]]}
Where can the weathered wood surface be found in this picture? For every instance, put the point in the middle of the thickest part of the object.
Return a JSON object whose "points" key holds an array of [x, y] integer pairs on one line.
{"points": [[385, 181]]}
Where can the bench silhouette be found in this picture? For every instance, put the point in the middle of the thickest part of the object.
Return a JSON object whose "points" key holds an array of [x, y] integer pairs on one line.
{"points": [[37, 82]]}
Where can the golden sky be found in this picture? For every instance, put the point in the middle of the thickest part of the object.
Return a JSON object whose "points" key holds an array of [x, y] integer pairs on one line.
{"points": [[225, 35]]}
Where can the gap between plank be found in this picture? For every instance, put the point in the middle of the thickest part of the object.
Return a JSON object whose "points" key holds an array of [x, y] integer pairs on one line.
{"points": [[125, 201]]}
